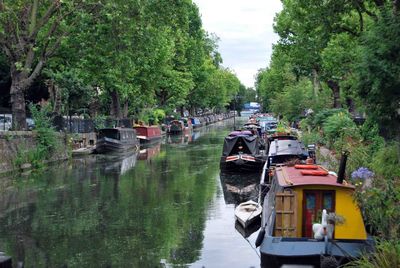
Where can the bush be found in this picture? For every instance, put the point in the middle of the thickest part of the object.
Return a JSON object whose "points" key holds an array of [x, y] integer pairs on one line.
{"points": [[381, 200], [387, 255], [321, 117], [46, 139], [152, 116], [46, 136], [312, 137], [340, 128]]}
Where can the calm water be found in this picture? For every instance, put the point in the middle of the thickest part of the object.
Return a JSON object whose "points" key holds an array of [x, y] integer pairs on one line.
{"points": [[167, 206]]}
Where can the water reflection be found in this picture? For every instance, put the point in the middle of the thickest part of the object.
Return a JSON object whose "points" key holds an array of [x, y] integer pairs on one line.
{"points": [[249, 230], [179, 139], [239, 188], [114, 211], [150, 152], [117, 164]]}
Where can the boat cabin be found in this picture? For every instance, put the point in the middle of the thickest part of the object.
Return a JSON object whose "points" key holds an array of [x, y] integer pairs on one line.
{"points": [[298, 196], [242, 150], [281, 150], [117, 133], [196, 122], [309, 215]]}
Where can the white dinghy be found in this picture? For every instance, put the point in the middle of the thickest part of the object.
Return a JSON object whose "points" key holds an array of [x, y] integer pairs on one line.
{"points": [[248, 212]]}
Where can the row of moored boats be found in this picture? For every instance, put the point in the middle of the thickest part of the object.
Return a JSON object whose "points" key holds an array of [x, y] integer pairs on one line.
{"points": [[307, 213], [122, 139]]}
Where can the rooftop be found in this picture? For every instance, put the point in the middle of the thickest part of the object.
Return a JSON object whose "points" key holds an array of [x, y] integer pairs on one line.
{"points": [[291, 176]]}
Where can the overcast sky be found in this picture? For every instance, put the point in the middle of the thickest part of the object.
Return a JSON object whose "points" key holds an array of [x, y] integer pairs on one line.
{"points": [[245, 30]]}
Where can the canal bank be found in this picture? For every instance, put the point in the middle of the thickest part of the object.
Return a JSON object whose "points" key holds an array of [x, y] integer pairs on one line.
{"points": [[17, 150]]}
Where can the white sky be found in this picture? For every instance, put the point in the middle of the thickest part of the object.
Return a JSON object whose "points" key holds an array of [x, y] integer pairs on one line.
{"points": [[245, 31]]}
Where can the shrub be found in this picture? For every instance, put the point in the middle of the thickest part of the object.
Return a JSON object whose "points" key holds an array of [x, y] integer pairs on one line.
{"points": [[380, 202], [312, 137], [46, 136], [387, 255], [340, 128], [323, 115]]}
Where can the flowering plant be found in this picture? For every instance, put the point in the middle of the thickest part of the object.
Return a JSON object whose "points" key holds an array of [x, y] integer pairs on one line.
{"points": [[362, 173]]}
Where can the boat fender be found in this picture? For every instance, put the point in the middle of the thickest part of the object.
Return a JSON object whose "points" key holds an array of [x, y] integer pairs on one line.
{"points": [[260, 237]]}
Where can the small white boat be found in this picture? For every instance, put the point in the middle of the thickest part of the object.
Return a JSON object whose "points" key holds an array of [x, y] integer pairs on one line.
{"points": [[83, 151], [248, 212]]}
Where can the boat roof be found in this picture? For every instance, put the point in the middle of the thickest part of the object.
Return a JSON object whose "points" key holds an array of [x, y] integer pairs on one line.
{"points": [[240, 133], [286, 147], [117, 129], [292, 177]]}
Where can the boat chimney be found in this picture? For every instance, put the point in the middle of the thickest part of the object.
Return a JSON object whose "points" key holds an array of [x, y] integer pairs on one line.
{"points": [[342, 167]]}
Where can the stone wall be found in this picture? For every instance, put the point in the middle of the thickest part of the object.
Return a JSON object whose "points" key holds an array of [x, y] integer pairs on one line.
{"points": [[13, 141]]}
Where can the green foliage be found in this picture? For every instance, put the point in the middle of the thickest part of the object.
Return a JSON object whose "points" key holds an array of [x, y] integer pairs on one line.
{"points": [[100, 121], [321, 116], [376, 70], [46, 140], [293, 100], [386, 162], [152, 116], [387, 255], [46, 135], [380, 200], [312, 137], [338, 126]]}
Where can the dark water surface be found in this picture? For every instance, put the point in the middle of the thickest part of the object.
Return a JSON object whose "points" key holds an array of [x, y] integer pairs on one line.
{"points": [[167, 206]]}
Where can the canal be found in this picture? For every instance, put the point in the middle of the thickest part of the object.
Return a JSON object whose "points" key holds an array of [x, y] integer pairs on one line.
{"points": [[166, 206]]}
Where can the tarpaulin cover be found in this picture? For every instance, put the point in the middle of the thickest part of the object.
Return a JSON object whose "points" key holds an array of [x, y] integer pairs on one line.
{"points": [[286, 147], [250, 142], [240, 133]]}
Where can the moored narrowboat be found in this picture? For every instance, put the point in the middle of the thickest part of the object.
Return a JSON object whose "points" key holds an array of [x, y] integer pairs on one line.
{"points": [[182, 125], [148, 134], [242, 152], [309, 216], [115, 140], [196, 123]]}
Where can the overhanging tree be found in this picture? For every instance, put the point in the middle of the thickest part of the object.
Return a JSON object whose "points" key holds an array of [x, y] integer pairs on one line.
{"points": [[30, 34]]}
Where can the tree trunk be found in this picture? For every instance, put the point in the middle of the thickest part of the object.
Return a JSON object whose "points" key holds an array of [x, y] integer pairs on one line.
{"points": [[334, 86], [350, 104], [115, 105], [316, 83], [57, 101], [126, 109], [17, 93], [55, 97]]}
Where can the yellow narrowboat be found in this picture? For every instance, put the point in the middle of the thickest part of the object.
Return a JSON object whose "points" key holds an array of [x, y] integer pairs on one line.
{"points": [[310, 216]]}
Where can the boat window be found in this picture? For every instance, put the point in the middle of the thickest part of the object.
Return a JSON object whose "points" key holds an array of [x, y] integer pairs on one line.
{"points": [[314, 202], [109, 133], [328, 202]]}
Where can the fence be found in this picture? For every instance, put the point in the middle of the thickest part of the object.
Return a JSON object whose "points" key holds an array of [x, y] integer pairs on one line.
{"points": [[78, 125]]}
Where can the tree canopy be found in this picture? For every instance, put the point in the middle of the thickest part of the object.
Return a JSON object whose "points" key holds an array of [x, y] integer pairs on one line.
{"points": [[347, 50], [119, 56]]}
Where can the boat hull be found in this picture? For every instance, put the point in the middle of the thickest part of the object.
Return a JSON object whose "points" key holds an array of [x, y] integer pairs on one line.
{"points": [[148, 134], [241, 164], [107, 145], [147, 141], [276, 251]]}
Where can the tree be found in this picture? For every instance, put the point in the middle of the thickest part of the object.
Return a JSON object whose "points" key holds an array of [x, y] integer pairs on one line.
{"points": [[30, 34], [377, 73]]}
